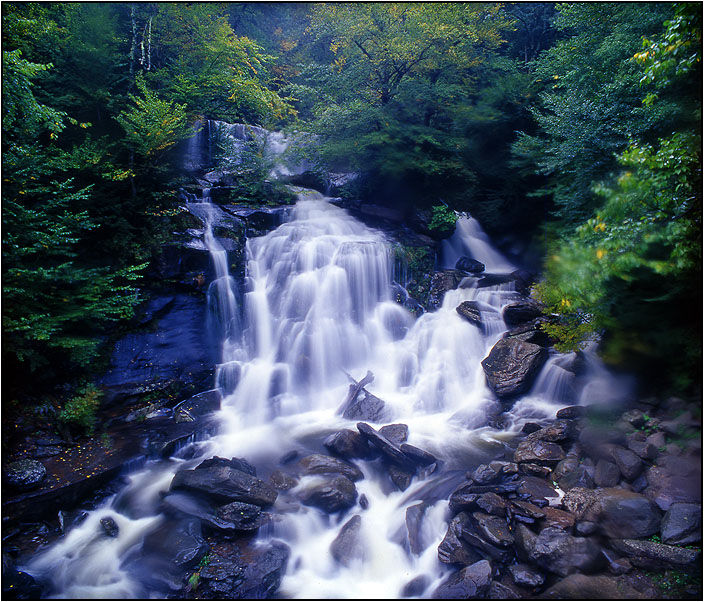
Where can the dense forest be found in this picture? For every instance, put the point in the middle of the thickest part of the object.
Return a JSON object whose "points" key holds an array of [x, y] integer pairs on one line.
{"points": [[574, 128]]}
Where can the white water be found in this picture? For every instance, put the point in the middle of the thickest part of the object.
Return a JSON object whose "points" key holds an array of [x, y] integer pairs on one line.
{"points": [[317, 305]]}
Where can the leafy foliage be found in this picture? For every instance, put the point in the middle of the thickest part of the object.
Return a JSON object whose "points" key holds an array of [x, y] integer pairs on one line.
{"points": [[80, 411]]}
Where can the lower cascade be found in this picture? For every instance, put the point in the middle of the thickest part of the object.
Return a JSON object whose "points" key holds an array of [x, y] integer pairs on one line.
{"points": [[311, 347]]}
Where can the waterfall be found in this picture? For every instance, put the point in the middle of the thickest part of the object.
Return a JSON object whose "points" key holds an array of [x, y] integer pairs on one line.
{"points": [[316, 306]]}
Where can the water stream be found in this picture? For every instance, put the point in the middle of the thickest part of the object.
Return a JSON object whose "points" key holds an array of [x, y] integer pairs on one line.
{"points": [[316, 307]]}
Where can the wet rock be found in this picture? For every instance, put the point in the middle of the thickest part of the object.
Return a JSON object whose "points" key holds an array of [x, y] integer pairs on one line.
{"points": [[415, 587], [197, 406], [592, 587], [180, 545], [580, 502], [236, 463], [348, 444], [480, 536], [254, 575], [18, 585], [586, 528], [363, 502], [46, 452], [365, 406], [414, 524], [558, 430], [109, 526], [655, 556], [400, 477], [236, 516], [467, 264], [640, 447], [24, 475], [570, 412], [558, 552], [535, 470], [503, 591], [555, 517], [440, 283], [493, 529], [417, 455], [520, 312], [331, 494], [386, 447], [512, 365], [347, 546], [674, 479], [634, 417], [628, 463], [281, 481], [523, 510], [536, 450], [682, 524], [453, 549], [320, 464], [530, 332], [503, 467], [396, 433], [606, 474], [524, 576], [225, 484], [470, 582], [625, 514], [469, 310], [484, 474], [492, 503], [530, 427], [536, 488], [579, 477], [463, 498]]}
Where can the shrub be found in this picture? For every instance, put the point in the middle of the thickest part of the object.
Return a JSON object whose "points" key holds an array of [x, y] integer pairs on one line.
{"points": [[80, 410]]}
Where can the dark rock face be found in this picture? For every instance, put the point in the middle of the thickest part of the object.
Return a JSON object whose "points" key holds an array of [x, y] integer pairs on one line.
{"points": [[558, 552], [320, 464], [233, 578], [512, 365], [524, 576], [493, 529], [396, 433], [417, 455], [331, 495], [197, 406], [682, 524], [348, 444], [530, 332], [470, 582], [347, 546], [236, 463], [467, 264], [655, 556], [628, 463], [384, 445], [235, 516], [537, 450], [24, 475], [400, 477], [225, 484], [536, 489], [606, 474], [109, 526], [414, 523], [177, 351], [520, 312]]}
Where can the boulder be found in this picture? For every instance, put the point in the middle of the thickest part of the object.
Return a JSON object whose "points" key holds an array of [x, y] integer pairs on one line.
{"points": [[628, 463], [492, 503], [400, 477], [526, 512], [675, 479], [396, 433], [606, 474], [236, 463], [253, 575], [388, 449], [453, 549], [415, 587], [580, 502], [331, 494], [579, 477], [570, 412], [282, 481], [416, 455], [347, 546], [624, 514], [512, 365], [655, 556], [558, 552], [555, 517], [484, 535], [109, 526], [558, 431], [470, 582], [198, 405], [348, 444], [365, 406], [483, 475], [592, 587], [524, 576], [682, 524], [530, 332], [536, 450], [24, 475], [440, 283], [463, 498], [225, 484], [180, 545], [414, 524], [469, 310], [467, 264], [536, 489], [235, 516], [520, 312], [503, 591], [493, 529], [321, 464]]}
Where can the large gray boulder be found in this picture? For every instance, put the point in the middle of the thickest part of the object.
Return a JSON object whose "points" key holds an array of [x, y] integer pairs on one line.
{"points": [[321, 464], [24, 474], [559, 552], [512, 365], [468, 583], [347, 546], [682, 524], [331, 494]]}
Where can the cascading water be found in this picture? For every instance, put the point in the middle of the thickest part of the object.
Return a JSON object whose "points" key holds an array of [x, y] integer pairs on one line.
{"points": [[317, 306]]}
